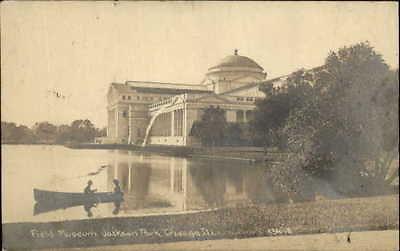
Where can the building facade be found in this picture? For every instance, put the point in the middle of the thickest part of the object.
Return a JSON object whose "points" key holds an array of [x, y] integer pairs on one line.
{"points": [[157, 113]]}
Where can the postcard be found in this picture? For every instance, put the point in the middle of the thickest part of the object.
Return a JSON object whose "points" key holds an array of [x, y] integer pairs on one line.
{"points": [[199, 125]]}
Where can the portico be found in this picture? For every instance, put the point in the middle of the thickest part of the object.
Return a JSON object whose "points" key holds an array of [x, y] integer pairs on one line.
{"points": [[172, 119]]}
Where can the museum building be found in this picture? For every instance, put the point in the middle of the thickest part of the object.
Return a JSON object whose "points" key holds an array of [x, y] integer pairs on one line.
{"points": [[155, 113]]}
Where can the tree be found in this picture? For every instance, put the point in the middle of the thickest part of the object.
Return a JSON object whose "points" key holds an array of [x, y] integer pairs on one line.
{"points": [[63, 134], [82, 131], [346, 132], [210, 129], [101, 132], [11, 133], [272, 112], [233, 134], [45, 132], [8, 131]]}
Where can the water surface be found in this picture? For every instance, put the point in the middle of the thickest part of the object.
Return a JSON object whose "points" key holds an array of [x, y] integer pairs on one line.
{"points": [[152, 184]]}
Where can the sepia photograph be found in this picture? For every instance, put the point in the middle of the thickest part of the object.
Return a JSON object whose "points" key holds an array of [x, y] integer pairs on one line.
{"points": [[199, 125]]}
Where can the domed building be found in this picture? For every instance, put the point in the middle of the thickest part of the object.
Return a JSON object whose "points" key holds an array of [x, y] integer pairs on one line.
{"points": [[143, 112], [233, 72]]}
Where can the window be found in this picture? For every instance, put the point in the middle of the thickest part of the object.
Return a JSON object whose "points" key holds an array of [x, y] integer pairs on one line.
{"points": [[239, 99], [249, 99], [129, 97], [125, 114], [138, 98], [123, 97]]}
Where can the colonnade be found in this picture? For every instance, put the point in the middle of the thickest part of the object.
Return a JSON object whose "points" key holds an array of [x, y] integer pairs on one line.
{"points": [[169, 124]]}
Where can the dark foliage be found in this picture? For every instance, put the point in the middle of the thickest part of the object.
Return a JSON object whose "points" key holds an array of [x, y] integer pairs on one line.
{"points": [[340, 124], [47, 133]]}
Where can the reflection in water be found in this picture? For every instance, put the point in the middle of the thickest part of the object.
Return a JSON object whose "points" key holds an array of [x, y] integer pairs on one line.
{"points": [[151, 183], [210, 183], [178, 184], [88, 208], [134, 182], [117, 205], [44, 207]]}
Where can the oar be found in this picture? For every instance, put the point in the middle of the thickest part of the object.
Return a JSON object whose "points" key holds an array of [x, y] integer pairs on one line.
{"points": [[89, 174]]}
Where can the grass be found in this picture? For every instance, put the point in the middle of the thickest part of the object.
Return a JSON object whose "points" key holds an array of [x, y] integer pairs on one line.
{"points": [[325, 216]]}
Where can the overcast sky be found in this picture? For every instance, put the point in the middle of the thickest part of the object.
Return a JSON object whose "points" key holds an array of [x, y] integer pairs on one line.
{"points": [[78, 48]]}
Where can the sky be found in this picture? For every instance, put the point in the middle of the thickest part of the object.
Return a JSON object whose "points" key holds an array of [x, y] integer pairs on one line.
{"points": [[78, 48]]}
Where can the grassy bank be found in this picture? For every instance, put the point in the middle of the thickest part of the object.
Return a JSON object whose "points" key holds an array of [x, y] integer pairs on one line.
{"points": [[358, 214]]}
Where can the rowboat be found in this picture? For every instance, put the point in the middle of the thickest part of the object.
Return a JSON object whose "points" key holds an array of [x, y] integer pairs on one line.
{"points": [[51, 197], [43, 207]]}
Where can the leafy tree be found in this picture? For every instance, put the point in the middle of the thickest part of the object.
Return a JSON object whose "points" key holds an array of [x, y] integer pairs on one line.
{"points": [[82, 131], [63, 134], [45, 132], [272, 112], [210, 129], [11, 133], [101, 132], [8, 131], [233, 134], [347, 131]]}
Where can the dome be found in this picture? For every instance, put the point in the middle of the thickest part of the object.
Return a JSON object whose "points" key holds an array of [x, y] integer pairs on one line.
{"points": [[233, 72], [237, 61]]}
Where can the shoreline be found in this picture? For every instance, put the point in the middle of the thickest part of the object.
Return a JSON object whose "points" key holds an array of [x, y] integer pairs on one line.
{"points": [[249, 155], [326, 216], [233, 153]]}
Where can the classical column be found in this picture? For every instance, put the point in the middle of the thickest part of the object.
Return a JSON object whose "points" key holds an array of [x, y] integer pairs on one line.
{"points": [[181, 121], [130, 125], [172, 123], [184, 129], [178, 122], [116, 121], [108, 123], [244, 116]]}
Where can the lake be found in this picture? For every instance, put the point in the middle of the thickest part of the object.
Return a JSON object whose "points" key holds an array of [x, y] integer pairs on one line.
{"points": [[152, 184]]}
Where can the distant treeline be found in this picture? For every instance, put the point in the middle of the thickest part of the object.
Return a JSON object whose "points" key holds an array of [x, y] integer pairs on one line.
{"points": [[78, 131]]}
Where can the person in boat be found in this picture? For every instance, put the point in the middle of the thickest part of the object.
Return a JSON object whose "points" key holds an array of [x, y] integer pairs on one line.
{"points": [[88, 189]]}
